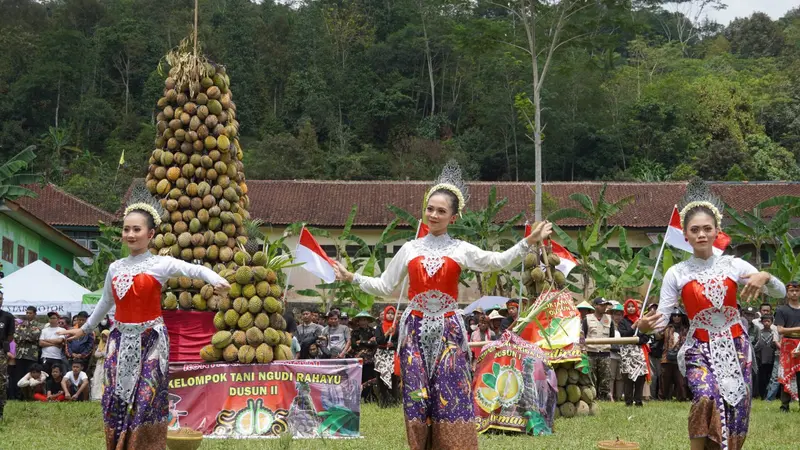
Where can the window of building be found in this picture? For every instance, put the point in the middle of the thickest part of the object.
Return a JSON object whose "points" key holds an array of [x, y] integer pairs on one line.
{"points": [[329, 250], [8, 250], [20, 256], [87, 239], [46, 261], [32, 256]]}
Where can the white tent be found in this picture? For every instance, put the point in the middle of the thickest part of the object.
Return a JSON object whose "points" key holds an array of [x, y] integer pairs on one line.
{"points": [[39, 285]]}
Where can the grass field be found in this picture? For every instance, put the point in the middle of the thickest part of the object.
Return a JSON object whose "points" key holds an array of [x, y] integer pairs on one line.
{"points": [[659, 426]]}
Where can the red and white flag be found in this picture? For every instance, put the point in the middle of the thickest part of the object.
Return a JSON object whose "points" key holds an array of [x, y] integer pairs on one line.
{"points": [[314, 258], [675, 237], [568, 262], [422, 230]]}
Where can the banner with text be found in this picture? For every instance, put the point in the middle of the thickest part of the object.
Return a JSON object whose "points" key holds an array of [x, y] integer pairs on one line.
{"points": [[558, 332], [309, 398], [514, 388]]}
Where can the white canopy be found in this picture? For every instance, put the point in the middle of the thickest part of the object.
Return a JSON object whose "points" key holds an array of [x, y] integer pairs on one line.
{"points": [[39, 285]]}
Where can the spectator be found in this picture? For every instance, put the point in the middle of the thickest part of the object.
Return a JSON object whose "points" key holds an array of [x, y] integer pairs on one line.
{"points": [[584, 309], [100, 358], [344, 319], [617, 385], [364, 346], [483, 333], [764, 310], [33, 384], [76, 383], [55, 391], [513, 311], [312, 351], [495, 318], [13, 374], [291, 324], [672, 380], [656, 355], [386, 338], [308, 331], [337, 336], [26, 338], [51, 343], [787, 321], [7, 325], [80, 349], [633, 362], [767, 343], [600, 325]]}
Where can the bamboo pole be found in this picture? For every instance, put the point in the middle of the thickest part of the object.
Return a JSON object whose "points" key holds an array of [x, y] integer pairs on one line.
{"points": [[596, 341], [196, 7]]}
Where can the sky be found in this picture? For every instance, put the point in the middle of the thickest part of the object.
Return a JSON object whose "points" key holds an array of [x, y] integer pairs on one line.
{"points": [[744, 8]]}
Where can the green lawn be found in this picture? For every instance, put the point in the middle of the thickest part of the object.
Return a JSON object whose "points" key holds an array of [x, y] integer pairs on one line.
{"points": [[659, 426]]}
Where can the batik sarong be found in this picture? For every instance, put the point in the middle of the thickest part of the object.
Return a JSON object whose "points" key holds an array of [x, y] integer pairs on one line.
{"points": [[710, 413], [441, 399], [141, 422]]}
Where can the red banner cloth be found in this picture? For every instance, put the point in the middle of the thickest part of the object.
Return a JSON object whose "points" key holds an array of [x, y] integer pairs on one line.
{"points": [[189, 332]]}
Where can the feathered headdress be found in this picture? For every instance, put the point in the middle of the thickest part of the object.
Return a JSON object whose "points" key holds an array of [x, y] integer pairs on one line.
{"points": [[697, 194], [142, 200], [450, 180]]}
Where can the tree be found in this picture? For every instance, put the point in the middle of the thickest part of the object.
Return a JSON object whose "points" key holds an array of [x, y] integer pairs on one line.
{"points": [[12, 178], [756, 36]]}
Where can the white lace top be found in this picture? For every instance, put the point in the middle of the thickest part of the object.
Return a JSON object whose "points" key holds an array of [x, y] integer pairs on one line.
{"points": [[434, 249], [121, 272], [705, 271]]}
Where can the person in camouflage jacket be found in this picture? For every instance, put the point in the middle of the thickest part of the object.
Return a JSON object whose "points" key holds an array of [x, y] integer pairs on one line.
{"points": [[26, 335]]}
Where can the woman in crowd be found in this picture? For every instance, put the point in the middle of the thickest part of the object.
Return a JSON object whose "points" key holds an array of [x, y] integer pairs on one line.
{"points": [[672, 381], [716, 355], [434, 361], [634, 360], [386, 338], [135, 403], [100, 359], [364, 346]]}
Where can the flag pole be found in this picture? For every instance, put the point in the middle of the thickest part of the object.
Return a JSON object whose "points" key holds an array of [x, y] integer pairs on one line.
{"points": [[289, 274], [653, 277]]}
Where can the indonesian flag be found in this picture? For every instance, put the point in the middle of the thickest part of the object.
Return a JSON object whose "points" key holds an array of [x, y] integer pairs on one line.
{"points": [[675, 238], [422, 230], [568, 262], [314, 258]]}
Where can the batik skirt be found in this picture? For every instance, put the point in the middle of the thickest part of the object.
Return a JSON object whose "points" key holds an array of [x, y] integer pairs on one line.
{"points": [[789, 365], [441, 398], [709, 412], [141, 422]]}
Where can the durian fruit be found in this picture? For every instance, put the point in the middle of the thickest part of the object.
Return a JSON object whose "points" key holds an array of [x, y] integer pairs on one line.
{"points": [[264, 354], [221, 339], [211, 353], [576, 392]]}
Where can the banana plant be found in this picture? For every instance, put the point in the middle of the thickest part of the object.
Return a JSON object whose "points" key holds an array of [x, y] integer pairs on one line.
{"points": [[751, 227], [590, 244], [591, 212], [12, 178], [786, 263]]}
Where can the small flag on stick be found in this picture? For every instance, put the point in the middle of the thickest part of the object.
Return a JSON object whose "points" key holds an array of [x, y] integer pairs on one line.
{"points": [[314, 259], [122, 157]]}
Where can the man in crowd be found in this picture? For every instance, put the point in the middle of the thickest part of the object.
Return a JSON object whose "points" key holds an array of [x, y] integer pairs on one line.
{"points": [[600, 325], [52, 343], [80, 349], [7, 324], [337, 336], [766, 342], [787, 320], [33, 384], [307, 331], [76, 383], [26, 337], [512, 306]]}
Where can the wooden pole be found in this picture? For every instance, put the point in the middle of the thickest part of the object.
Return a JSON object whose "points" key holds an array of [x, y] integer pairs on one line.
{"points": [[195, 27], [595, 341]]}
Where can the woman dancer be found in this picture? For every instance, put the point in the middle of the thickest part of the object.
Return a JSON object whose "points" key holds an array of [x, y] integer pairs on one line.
{"points": [[635, 361], [716, 355], [434, 361], [135, 403], [100, 358]]}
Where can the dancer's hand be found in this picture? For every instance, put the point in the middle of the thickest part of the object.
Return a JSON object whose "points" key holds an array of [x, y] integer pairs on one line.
{"points": [[222, 288], [542, 231], [648, 323], [72, 333], [342, 274], [755, 281]]}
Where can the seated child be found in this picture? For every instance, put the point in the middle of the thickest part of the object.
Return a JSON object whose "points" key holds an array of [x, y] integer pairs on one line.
{"points": [[33, 383], [76, 383]]}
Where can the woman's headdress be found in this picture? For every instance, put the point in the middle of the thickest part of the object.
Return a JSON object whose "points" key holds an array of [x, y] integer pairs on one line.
{"points": [[142, 200], [450, 180], [697, 194]]}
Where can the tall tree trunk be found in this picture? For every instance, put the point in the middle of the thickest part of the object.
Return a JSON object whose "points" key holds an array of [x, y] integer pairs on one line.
{"points": [[429, 58], [58, 99]]}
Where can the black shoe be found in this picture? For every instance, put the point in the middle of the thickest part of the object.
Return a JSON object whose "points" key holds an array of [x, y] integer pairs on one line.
{"points": [[784, 409], [640, 405]]}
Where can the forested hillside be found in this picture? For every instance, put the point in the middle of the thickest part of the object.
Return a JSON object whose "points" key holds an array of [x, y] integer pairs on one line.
{"points": [[390, 89]]}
